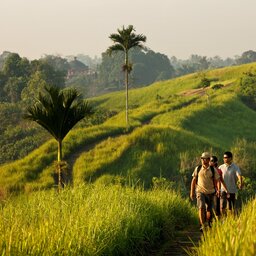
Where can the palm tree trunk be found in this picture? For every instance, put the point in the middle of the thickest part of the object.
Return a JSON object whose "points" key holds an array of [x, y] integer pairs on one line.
{"points": [[59, 165], [59, 151], [126, 86]]}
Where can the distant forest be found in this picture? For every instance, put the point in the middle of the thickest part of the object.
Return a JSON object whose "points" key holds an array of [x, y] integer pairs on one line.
{"points": [[20, 78]]}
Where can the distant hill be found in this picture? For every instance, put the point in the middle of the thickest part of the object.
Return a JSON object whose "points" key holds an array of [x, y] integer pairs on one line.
{"points": [[171, 123]]}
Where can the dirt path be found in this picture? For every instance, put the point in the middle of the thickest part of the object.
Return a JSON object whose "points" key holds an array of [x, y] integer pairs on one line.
{"points": [[183, 242]]}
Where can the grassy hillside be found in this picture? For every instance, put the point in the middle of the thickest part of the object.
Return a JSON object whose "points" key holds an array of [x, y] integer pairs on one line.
{"points": [[171, 123]]}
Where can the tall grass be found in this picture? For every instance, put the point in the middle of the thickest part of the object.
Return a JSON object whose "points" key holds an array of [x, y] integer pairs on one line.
{"points": [[232, 235], [91, 220]]}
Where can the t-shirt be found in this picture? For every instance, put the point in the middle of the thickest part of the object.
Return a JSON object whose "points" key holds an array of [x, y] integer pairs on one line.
{"points": [[230, 175], [205, 180]]}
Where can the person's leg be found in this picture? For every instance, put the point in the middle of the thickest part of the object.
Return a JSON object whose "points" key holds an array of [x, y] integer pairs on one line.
{"points": [[202, 217], [210, 199], [201, 208], [217, 206], [223, 203], [231, 201]]}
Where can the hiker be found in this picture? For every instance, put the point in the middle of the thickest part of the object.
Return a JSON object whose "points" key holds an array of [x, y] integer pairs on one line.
{"points": [[214, 163], [231, 174], [204, 178]]}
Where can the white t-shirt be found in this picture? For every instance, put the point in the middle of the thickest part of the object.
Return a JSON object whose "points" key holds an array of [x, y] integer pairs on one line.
{"points": [[230, 175]]}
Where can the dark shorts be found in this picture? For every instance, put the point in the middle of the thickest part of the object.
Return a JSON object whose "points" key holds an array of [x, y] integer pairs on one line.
{"points": [[205, 201], [227, 201]]}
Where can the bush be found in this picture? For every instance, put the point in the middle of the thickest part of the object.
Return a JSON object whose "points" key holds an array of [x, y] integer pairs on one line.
{"points": [[217, 86]]}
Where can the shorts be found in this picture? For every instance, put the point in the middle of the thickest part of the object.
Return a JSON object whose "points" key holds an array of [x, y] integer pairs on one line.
{"points": [[204, 200], [230, 201]]}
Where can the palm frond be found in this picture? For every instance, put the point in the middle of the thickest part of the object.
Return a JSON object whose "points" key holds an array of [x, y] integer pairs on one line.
{"points": [[58, 110], [115, 47], [126, 39]]}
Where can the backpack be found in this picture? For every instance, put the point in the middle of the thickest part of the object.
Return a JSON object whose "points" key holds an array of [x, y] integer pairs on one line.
{"points": [[198, 170]]}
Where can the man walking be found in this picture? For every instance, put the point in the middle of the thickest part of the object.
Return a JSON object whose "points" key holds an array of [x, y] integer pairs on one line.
{"points": [[231, 174], [204, 179]]}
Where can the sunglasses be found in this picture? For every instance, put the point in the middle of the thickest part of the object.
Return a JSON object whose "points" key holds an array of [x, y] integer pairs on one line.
{"points": [[225, 157]]}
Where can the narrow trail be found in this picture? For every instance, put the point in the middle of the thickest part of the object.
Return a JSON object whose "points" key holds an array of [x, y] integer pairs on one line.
{"points": [[182, 244], [71, 159], [82, 149]]}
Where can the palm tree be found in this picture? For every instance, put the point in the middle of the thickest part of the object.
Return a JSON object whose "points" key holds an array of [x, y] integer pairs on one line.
{"points": [[124, 41], [58, 110]]}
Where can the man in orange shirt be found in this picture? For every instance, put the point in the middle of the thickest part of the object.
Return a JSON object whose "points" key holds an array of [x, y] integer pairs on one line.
{"points": [[203, 182]]}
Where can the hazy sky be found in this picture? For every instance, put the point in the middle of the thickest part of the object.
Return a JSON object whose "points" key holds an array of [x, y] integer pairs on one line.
{"points": [[33, 28]]}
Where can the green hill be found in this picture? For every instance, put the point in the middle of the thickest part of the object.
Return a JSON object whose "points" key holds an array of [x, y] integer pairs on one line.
{"points": [[171, 123]]}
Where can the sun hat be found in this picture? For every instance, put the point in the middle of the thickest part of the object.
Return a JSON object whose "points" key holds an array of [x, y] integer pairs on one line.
{"points": [[205, 155]]}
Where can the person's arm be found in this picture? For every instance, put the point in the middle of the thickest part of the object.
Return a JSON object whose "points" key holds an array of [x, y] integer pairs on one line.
{"points": [[224, 184], [240, 179], [218, 188], [192, 188]]}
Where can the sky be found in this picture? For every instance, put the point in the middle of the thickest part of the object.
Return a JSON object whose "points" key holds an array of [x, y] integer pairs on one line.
{"points": [[33, 28]]}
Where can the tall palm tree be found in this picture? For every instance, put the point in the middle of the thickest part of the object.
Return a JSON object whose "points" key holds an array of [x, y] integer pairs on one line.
{"points": [[58, 110], [124, 40]]}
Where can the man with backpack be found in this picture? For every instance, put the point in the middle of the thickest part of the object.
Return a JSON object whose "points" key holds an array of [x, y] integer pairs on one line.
{"points": [[204, 179]]}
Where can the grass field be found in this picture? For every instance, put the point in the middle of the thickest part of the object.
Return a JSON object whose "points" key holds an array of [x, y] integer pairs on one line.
{"points": [[91, 220]]}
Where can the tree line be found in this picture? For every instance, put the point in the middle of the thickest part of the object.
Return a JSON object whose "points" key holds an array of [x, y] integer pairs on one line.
{"points": [[19, 77]]}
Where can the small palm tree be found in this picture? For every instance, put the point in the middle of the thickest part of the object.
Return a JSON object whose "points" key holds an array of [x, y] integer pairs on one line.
{"points": [[58, 110], [124, 41]]}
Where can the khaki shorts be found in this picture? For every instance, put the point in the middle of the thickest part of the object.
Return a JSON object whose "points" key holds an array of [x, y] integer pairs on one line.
{"points": [[204, 200]]}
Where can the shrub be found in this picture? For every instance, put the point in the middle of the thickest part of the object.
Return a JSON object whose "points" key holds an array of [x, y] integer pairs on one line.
{"points": [[217, 86]]}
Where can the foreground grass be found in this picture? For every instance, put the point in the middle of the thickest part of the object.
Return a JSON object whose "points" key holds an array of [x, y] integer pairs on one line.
{"points": [[234, 236], [91, 220]]}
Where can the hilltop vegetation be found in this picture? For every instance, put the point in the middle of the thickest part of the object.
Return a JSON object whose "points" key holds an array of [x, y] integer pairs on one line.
{"points": [[171, 123]]}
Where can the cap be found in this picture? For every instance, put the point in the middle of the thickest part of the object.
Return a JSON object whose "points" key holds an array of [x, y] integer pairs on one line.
{"points": [[206, 155]]}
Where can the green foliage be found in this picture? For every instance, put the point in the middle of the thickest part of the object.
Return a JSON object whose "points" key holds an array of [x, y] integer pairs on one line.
{"points": [[148, 67], [58, 110], [244, 155], [248, 191], [20, 78], [246, 57], [248, 84], [205, 82], [91, 220], [17, 137], [217, 86]]}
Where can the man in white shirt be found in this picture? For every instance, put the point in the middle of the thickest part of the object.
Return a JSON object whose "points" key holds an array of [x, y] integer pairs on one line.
{"points": [[231, 175]]}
